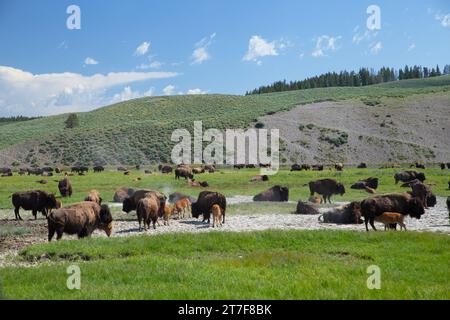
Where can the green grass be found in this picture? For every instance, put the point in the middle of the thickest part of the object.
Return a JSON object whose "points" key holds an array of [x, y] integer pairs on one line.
{"points": [[257, 265], [229, 182], [138, 131], [13, 231]]}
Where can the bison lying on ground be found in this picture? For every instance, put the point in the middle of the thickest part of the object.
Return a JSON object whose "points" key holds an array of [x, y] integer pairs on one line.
{"points": [[263, 177], [362, 165], [65, 187], [369, 182], [80, 219], [305, 208], [165, 168], [409, 175], [403, 203], [347, 214], [205, 201], [94, 196], [276, 193], [130, 203], [35, 201], [326, 188]]}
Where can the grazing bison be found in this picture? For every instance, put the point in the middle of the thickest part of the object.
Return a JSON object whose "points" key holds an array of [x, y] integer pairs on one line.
{"points": [[421, 192], [260, 178], [239, 166], [403, 203], [409, 175], [184, 172], [317, 167], [94, 196], [362, 165], [98, 169], [276, 193], [326, 188], [79, 169], [165, 168], [305, 208], [210, 168], [198, 170], [120, 168], [80, 219], [147, 210], [442, 165], [176, 196], [296, 167], [339, 166], [130, 203], [65, 187], [5, 170], [419, 165], [205, 201], [9, 174], [347, 214], [122, 193], [369, 182], [34, 201]]}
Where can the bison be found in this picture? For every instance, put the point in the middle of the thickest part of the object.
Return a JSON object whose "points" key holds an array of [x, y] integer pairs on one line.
{"points": [[206, 199], [276, 193], [347, 214], [317, 167], [165, 168], [198, 170], [326, 188], [176, 196], [147, 210], [94, 196], [296, 167], [98, 169], [35, 201], [409, 175], [339, 167], [305, 208], [369, 182], [362, 165], [80, 219], [122, 193], [65, 187], [403, 203], [263, 177], [130, 203], [184, 172]]}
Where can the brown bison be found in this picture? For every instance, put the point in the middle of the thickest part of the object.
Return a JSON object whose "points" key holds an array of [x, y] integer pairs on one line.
{"points": [[362, 165], [130, 203], [176, 196], [99, 169], [122, 193], [296, 167], [206, 199], [326, 188], [403, 203], [165, 168], [210, 168], [65, 187], [347, 214], [421, 192], [94, 196], [184, 172], [263, 177], [198, 170], [442, 165], [276, 193], [305, 208], [339, 167], [80, 219], [147, 210], [409, 175], [369, 182], [317, 167], [34, 201]]}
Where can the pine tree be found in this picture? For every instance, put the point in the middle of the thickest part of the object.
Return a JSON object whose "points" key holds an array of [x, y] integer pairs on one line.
{"points": [[72, 121]]}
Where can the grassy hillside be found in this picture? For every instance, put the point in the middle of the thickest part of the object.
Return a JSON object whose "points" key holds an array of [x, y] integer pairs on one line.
{"points": [[138, 131]]}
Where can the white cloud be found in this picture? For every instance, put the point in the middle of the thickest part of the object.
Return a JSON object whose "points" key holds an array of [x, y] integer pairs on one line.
{"points": [[90, 61], [142, 49], [258, 47], [201, 53], [196, 91], [325, 44], [411, 47], [44, 94], [150, 65], [375, 48], [443, 19], [367, 35], [169, 90], [127, 94]]}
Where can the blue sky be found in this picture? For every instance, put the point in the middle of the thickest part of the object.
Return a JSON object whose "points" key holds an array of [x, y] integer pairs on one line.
{"points": [[129, 49]]}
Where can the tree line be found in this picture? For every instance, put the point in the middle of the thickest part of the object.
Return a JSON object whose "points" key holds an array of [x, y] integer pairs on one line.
{"points": [[4, 120], [363, 77]]}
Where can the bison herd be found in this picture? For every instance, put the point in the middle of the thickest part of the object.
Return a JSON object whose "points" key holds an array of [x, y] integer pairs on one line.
{"points": [[83, 218]]}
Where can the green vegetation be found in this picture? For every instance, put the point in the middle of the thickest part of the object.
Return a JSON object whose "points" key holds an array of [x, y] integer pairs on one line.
{"points": [[72, 121], [139, 131], [229, 182], [13, 231], [222, 265]]}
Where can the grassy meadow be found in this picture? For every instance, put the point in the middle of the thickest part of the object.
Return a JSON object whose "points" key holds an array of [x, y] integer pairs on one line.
{"points": [[228, 181], [222, 265]]}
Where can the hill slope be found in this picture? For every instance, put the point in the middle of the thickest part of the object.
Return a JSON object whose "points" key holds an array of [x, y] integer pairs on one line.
{"points": [[138, 131]]}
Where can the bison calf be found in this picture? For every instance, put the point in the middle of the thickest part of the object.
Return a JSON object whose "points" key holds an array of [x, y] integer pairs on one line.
{"points": [[388, 218], [80, 219], [217, 215]]}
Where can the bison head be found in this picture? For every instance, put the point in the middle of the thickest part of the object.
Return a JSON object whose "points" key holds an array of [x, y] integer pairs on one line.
{"points": [[52, 203], [127, 205], [340, 189], [106, 220], [420, 176], [195, 210], [416, 208], [355, 209], [431, 200]]}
